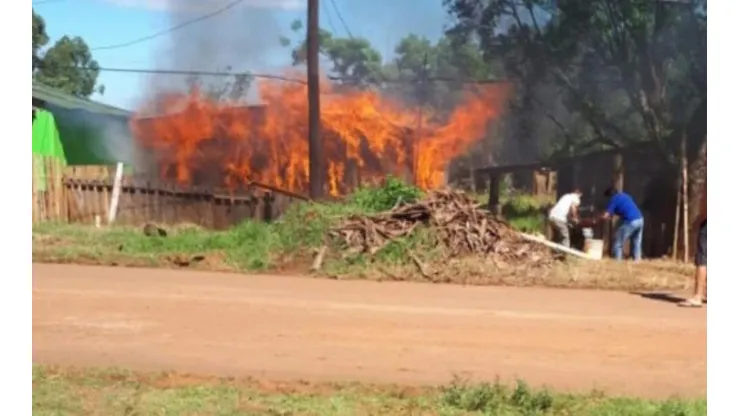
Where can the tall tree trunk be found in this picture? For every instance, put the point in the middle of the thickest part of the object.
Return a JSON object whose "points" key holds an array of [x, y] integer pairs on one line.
{"points": [[684, 199]]}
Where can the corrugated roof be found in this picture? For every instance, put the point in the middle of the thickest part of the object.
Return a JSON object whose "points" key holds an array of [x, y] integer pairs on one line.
{"points": [[62, 99]]}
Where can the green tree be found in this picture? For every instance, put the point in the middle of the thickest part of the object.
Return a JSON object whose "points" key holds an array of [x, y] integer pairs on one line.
{"points": [[625, 71], [354, 60], [39, 38], [67, 65], [435, 73]]}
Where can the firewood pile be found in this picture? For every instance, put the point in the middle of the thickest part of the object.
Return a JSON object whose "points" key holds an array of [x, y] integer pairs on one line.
{"points": [[458, 223]]}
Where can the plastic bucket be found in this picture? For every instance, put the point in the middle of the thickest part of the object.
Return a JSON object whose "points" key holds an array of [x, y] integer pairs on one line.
{"points": [[595, 249]]}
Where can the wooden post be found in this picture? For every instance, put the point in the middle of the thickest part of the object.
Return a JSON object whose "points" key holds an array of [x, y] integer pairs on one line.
{"points": [[685, 199], [34, 210], [50, 189], [494, 193], [677, 221], [315, 145], [479, 183], [117, 181], [618, 172]]}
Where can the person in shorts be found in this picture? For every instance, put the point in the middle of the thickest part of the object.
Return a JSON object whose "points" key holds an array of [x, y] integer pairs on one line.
{"points": [[700, 259]]}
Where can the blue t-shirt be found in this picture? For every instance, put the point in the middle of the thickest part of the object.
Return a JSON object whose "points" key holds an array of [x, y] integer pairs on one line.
{"points": [[624, 206]]}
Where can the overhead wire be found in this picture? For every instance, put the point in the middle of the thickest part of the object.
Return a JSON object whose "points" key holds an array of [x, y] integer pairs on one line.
{"points": [[253, 75], [341, 18], [328, 17], [170, 29], [284, 78]]}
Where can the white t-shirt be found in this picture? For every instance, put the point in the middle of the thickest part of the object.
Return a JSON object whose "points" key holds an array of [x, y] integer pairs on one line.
{"points": [[561, 210]]}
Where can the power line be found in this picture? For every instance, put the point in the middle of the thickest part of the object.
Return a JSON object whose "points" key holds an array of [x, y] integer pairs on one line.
{"points": [[171, 29], [341, 18], [382, 76], [206, 73], [295, 80], [328, 18]]}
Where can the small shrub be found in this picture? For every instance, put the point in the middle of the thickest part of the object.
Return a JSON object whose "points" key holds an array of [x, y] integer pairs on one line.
{"points": [[497, 399], [474, 398], [525, 212], [376, 199]]}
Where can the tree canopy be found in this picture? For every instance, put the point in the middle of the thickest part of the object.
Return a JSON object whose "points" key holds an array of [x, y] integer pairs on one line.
{"points": [[588, 75], [354, 60], [67, 65], [594, 74], [421, 71]]}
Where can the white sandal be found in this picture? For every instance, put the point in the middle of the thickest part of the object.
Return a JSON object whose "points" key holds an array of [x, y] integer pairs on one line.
{"points": [[691, 303]]}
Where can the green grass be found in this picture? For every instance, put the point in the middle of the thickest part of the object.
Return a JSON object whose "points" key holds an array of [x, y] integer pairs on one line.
{"points": [[119, 392], [290, 244], [526, 212], [248, 246]]}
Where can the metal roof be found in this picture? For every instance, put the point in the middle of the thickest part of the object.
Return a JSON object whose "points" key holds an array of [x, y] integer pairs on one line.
{"points": [[61, 99]]}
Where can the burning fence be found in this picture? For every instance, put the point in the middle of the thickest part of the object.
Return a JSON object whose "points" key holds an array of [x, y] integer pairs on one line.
{"points": [[366, 136]]}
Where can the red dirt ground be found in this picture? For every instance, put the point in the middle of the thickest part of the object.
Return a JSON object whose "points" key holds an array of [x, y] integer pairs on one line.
{"points": [[287, 328]]}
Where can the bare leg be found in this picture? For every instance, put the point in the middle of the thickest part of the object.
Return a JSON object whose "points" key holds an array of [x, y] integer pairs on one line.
{"points": [[700, 283], [700, 274]]}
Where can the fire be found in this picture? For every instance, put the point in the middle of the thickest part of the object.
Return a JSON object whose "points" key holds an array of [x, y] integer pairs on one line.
{"points": [[366, 137]]}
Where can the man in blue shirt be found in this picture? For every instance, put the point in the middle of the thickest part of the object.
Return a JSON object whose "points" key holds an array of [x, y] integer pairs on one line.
{"points": [[631, 223]]}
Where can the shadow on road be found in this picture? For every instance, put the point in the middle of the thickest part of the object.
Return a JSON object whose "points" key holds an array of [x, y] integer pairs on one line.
{"points": [[660, 296]]}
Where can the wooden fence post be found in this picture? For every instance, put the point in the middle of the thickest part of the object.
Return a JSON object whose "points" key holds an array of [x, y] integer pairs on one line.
{"points": [[494, 192]]}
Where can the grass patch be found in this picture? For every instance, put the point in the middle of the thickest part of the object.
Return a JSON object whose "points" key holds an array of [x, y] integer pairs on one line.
{"points": [[249, 246], [58, 391], [526, 213], [289, 245]]}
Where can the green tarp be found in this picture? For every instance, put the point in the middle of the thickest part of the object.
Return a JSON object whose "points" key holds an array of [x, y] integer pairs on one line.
{"points": [[45, 140], [45, 143]]}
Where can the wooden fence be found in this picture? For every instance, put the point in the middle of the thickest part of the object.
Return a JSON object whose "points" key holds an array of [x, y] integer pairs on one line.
{"points": [[47, 189], [83, 195], [153, 202]]}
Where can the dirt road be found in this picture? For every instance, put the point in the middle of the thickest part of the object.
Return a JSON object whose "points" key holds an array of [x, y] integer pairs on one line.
{"points": [[285, 328]]}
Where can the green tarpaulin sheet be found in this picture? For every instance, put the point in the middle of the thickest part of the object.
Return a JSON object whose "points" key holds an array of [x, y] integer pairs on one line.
{"points": [[45, 140], [45, 143]]}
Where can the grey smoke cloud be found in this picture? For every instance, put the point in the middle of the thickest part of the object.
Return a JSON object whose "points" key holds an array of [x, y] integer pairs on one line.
{"points": [[206, 5], [243, 38]]}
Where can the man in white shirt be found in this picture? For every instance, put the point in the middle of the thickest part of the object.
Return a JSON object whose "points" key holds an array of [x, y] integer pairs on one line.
{"points": [[563, 213]]}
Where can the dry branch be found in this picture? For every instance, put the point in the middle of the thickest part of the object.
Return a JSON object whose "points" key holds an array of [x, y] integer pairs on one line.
{"points": [[458, 224]]}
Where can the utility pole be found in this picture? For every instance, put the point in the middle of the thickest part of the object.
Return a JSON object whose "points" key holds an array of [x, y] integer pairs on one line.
{"points": [[422, 99], [315, 148]]}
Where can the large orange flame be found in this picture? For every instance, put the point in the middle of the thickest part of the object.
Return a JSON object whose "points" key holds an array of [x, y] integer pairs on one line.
{"points": [[365, 136]]}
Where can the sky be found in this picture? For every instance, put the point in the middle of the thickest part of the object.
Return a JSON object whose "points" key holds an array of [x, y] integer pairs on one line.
{"points": [[246, 37]]}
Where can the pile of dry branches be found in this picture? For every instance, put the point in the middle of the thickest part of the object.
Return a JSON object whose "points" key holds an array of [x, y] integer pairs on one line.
{"points": [[458, 224]]}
